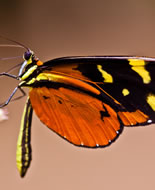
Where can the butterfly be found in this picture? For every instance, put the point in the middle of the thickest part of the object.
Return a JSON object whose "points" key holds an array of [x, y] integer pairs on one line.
{"points": [[85, 100]]}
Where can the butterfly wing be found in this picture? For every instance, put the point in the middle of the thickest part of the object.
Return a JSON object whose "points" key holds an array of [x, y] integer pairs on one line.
{"points": [[88, 100], [75, 115], [129, 80], [72, 101]]}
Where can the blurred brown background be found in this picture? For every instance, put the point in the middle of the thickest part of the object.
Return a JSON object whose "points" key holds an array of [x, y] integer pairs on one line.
{"points": [[84, 27]]}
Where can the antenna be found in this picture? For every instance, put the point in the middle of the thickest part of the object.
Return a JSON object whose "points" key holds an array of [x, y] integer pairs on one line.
{"points": [[20, 44]]}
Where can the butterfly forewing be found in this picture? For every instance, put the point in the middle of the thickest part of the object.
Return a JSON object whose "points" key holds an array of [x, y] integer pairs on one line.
{"points": [[129, 80]]}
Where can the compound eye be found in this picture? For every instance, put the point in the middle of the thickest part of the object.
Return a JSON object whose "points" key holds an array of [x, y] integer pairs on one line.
{"points": [[27, 55]]}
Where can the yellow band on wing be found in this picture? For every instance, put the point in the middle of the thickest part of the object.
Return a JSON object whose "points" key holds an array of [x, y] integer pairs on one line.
{"points": [[139, 67], [151, 101], [68, 81], [107, 77]]}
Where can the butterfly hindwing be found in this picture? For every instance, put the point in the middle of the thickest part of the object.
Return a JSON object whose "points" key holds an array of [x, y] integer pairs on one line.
{"points": [[75, 115]]}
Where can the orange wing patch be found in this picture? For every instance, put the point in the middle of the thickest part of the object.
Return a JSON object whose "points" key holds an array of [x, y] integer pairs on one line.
{"points": [[133, 118], [68, 70], [78, 117]]}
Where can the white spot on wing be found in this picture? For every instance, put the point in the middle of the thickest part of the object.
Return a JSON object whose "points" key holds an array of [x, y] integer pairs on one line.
{"points": [[149, 121], [117, 132]]}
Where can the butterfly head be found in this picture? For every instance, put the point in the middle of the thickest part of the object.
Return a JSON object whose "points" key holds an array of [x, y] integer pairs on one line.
{"points": [[29, 56], [29, 59]]}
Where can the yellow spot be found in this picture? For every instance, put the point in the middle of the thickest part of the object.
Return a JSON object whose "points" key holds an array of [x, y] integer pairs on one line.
{"points": [[107, 77], [151, 101], [139, 67], [125, 92]]}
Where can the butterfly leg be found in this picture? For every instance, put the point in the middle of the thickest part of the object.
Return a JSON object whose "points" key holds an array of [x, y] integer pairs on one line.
{"points": [[23, 94], [9, 75], [12, 94]]}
